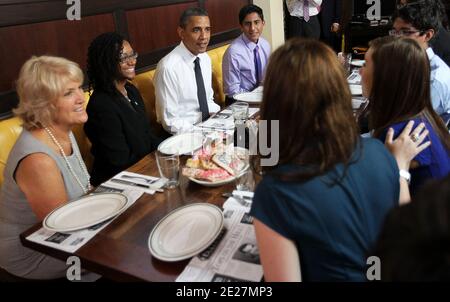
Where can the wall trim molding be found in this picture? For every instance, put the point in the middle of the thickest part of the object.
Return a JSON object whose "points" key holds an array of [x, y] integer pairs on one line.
{"points": [[36, 11]]}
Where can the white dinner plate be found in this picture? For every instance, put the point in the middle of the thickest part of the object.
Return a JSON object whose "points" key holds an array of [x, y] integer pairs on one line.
{"points": [[185, 232], [358, 63], [206, 183], [217, 183], [213, 184], [85, 212], [249, 97], [356, 89], [184, 143]]}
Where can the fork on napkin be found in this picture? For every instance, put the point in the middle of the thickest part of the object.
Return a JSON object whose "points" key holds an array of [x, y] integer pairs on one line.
{"points": [[148, 184]]}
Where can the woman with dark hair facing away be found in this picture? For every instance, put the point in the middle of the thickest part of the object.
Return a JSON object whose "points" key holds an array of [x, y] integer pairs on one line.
{"points": [[322, 205], [118, 126], [396, 79], [414, 244]]}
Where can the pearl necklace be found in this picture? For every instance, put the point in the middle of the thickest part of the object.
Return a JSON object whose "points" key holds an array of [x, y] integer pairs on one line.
{"points": [[69, 166]]}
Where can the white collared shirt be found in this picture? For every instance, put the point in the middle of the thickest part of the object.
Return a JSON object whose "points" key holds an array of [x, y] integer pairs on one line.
{"points": [[295, 7], [177, 107], [440, 83]]}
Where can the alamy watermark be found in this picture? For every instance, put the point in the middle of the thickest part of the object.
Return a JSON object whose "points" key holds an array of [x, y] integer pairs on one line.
{"points": [[374, 11], [73, 272], [254, 140], [374, 271], [74, 10]]}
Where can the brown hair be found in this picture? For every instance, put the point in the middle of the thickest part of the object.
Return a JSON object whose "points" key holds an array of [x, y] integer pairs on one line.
{"points": [[401, 86], [305, 89]]}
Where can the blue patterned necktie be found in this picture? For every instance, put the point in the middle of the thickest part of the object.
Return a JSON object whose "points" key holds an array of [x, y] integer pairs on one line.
{"points": [[258, 66]]}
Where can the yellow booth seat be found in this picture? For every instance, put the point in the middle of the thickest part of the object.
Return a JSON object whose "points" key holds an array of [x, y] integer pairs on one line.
{"points": [[11, 128], [216, 56]]}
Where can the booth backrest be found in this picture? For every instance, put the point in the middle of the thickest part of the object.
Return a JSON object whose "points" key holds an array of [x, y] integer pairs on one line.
{"points": [[11, 128], [144, 83], [216, 56]]}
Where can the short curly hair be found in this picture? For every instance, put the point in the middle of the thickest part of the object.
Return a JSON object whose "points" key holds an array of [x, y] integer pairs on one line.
{"points": [[41, 82]]}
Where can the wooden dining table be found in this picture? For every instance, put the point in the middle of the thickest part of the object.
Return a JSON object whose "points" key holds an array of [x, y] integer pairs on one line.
{"points": [[120, 252]]}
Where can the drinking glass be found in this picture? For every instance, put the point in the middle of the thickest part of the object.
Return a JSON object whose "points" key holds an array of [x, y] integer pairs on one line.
{"points": [[346, 61], [240, 112], [245, 180], [169, 168]]}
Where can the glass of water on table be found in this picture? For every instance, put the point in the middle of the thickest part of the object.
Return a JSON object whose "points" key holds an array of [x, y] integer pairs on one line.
{"points": [[169, 168]]}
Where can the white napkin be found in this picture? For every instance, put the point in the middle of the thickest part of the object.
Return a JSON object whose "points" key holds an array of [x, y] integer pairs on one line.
{"points": [[251, 111], [232, 202], [158, 184], [218, 123], [354, 78]]}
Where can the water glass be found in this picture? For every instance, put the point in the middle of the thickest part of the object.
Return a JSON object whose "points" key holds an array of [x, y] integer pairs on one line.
{"points": [[245, 180], [169, 168], [240, 112], [346, 61]]}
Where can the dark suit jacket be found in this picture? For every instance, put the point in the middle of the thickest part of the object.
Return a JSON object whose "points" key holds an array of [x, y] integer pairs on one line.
{"points": [[119, 132], [441, 45], [330, 13]]}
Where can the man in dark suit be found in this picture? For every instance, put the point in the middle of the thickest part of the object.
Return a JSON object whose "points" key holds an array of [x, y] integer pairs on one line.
{"points": [[330, 19]]}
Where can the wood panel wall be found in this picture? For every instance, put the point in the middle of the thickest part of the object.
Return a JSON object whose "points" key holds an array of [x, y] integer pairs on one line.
{"points": [[37, 27], [224, 14]]}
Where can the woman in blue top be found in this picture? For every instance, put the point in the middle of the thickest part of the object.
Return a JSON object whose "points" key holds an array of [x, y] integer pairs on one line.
{"points": [[322, 205], [396, 79]]}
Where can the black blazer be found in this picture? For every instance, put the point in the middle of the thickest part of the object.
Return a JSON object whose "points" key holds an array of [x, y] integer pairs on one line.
{"points": [[119, 132], [330, 13]]}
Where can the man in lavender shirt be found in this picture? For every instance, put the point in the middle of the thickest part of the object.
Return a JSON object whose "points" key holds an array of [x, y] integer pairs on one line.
{"points": [[245, 60]]}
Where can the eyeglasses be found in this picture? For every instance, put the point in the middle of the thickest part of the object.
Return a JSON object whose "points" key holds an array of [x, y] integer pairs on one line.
{"points": [[404, 33], [128, 58]]}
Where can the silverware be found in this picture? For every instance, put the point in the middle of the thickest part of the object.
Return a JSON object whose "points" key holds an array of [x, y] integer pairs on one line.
{"points": [[148, 181], [135, 184]]}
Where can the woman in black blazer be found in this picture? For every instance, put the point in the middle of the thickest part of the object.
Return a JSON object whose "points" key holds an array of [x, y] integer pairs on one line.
{"points": [[118, 126]]}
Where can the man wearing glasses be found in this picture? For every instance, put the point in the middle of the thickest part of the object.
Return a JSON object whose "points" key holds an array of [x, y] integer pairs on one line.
{"points": [[441, 39], [418, 21]]}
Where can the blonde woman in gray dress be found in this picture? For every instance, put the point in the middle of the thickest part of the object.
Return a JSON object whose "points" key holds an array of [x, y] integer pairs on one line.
{"points": [[44, 169]]}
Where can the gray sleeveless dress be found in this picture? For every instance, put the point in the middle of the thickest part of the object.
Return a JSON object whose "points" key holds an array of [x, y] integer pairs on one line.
{"points": [[16, 215]]}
